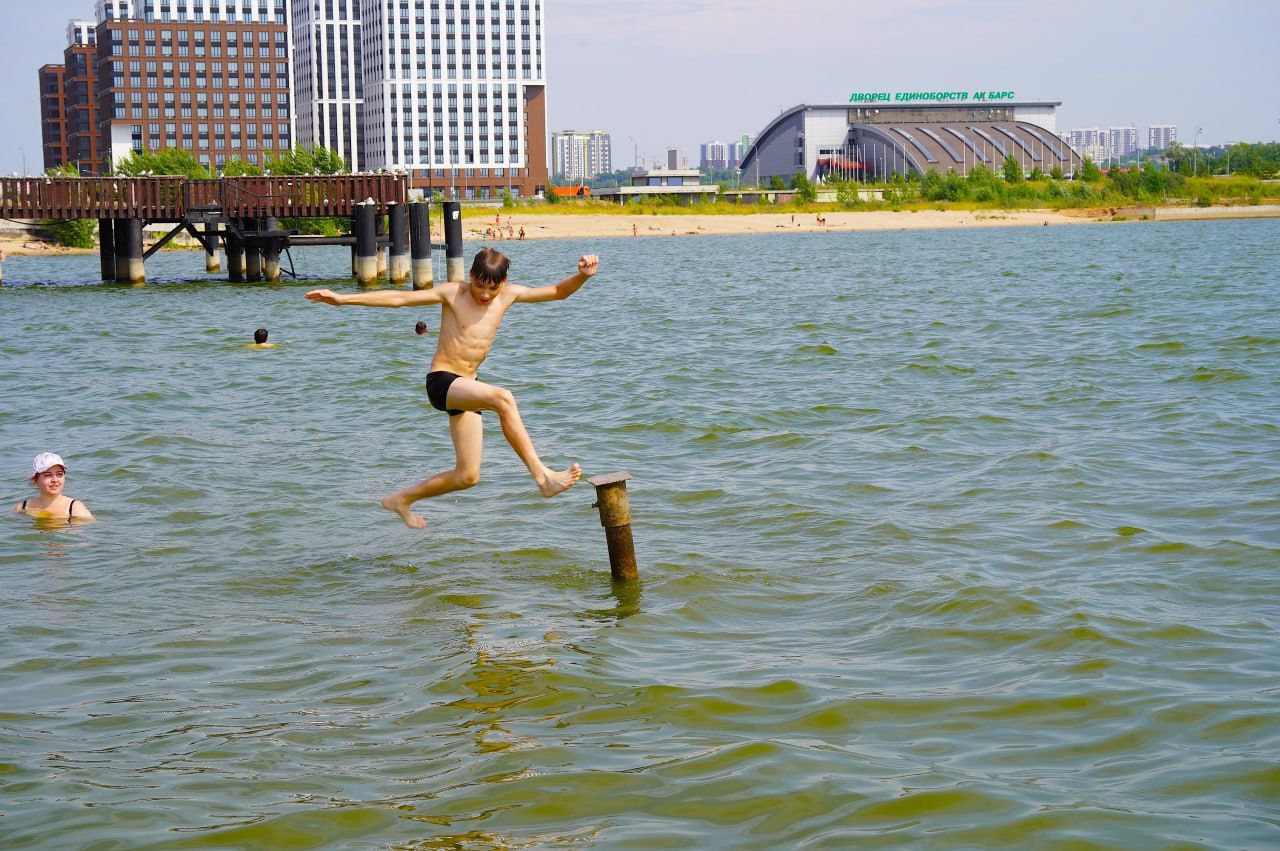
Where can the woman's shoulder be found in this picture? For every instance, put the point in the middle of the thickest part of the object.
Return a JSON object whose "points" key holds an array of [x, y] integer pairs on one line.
{"points": [[79, 509]]}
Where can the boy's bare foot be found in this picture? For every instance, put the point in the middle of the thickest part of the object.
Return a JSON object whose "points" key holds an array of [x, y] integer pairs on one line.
{"points": [[553, 483], [396, 503]]}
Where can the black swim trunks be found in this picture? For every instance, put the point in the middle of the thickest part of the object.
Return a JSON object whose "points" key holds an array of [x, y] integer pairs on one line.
{"points": [[438, 390]]}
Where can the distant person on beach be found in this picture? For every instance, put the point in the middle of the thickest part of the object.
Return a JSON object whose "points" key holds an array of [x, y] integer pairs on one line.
{"points": [[49, 475], [470, 312], [260, 340], [522, 231], [421, 328]]}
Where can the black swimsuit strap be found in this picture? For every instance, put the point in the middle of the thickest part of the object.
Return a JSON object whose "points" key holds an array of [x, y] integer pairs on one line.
{"points": [[69, 508], [24, 505]]}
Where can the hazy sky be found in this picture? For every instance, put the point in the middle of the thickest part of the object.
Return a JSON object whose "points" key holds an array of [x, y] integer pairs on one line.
{"points": [[682, 72]]}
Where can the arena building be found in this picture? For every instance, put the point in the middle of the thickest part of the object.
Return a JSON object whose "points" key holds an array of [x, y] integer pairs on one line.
{"points": [[879, 134]]}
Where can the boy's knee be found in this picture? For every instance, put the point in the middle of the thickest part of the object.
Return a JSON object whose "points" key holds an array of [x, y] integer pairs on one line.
{"points": [[504, 399], [466, 478]]}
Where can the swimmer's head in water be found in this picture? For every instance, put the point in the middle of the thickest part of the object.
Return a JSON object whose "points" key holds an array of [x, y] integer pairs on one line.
{"points": [[260, 336], [420, 328]]}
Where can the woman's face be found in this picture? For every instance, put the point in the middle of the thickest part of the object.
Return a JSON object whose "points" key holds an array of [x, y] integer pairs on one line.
{"points": [[51, 480]]}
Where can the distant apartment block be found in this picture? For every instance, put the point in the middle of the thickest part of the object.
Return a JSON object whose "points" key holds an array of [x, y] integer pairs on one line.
{"points": [[68, 102], [1122, 140], [455, 94], [578, 156], [675, 159], [1161, 136], [714, 155], [1090, 142], [209, 76], [327, 53]]}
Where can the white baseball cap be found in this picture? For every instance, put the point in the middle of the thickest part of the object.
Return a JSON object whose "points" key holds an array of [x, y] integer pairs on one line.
{"points": [[44, 461]]}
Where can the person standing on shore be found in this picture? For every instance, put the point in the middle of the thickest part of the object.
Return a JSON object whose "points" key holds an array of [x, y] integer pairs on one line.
{"points": [[49, 475]]}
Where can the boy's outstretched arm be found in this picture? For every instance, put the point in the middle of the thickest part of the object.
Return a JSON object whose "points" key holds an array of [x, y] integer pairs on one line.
{"points": [[381, 298], [588, 265]]}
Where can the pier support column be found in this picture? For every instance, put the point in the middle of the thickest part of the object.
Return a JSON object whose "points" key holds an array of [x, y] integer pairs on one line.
{"points": [[420, 245], [211, 263], [380, 230], [271, 252], [455, 266], [234, 247], [107, 248], [366, 245], [398, 254], [252, 252], [615, 517], [128, 253]]}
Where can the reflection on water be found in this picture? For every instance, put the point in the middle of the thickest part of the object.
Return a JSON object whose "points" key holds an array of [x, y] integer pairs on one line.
{"points": [[958, 540]]}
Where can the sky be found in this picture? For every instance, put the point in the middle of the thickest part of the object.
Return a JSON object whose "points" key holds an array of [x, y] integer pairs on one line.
{"points": [[659, 73]]}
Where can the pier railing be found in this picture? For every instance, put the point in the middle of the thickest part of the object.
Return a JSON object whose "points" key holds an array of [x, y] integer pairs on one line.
{"points": [[165, 198]]}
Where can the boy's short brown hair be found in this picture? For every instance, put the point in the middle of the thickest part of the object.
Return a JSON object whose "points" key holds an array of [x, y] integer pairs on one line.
{"points": [[490, 266]]}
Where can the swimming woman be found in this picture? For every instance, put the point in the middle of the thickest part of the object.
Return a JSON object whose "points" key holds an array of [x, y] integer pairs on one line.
{"points": [[49, 475]]}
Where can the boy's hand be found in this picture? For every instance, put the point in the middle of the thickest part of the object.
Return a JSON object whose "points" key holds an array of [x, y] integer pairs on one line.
{"points": [[588, 265], [325, 296]]}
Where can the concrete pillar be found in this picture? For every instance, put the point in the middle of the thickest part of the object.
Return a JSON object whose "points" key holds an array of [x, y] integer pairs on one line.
{"points": [[380, 231], [252, 252], [366, 245], [420, 245], [211, 263], [128, 255], [271, 252], [398, 249], [107, 248], [234, 247], [455, 266]]}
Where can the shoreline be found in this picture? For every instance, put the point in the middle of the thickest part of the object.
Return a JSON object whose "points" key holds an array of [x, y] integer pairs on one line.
{"points": [[596, 225]]}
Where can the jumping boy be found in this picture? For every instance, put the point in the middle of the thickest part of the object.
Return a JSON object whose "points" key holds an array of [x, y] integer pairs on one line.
{"points": [[470, 313]]}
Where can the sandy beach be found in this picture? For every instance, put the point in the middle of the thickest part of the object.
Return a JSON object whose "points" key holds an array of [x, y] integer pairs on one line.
{"points": [[538, 225]]}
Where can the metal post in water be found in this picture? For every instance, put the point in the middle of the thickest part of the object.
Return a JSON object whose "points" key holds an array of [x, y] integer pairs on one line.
{"points": [[420, 245], [211, 263], [271, 252], [233, 244], [129, 265], [366, 244], [381, 234], [615, 517], [398, 261], [455, 267], [107, 248]]}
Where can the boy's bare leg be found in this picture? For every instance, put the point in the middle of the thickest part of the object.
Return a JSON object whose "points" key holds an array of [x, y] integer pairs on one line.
{"points": [[472, 395], [467, 431]]}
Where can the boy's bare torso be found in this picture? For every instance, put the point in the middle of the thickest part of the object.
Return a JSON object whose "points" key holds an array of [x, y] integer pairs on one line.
{"points": [[467, 329]]}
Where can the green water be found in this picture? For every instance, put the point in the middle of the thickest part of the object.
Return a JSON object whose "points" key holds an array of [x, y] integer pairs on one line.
{"points": [[946, 539]]}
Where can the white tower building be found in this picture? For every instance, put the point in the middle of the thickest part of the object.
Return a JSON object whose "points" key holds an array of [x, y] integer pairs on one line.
{"points": [[326, 73], [454, 93]]}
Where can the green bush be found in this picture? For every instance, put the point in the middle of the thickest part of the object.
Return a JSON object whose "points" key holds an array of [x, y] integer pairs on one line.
{"points": [[74, 233]]}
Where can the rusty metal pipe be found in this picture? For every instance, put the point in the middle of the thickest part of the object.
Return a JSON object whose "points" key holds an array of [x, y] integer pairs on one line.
{"points": [[615, 517]]}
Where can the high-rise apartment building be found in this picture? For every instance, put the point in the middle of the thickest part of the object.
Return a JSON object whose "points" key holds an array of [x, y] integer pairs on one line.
{"points": [[675, 158], [53, 115], [714, 154], [210, 76], [69, 103], [1090, 142], [327, 95], [1161, 136], [455, 94], [1122, 140], [577, 156]]}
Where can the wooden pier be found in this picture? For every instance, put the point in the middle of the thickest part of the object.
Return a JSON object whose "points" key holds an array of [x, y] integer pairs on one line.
{"points": [[240, 213]]}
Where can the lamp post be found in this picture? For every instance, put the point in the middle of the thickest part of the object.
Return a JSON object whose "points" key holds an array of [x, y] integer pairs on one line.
{"points": [[22, 151], [1195, 144], [635, 153]]}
